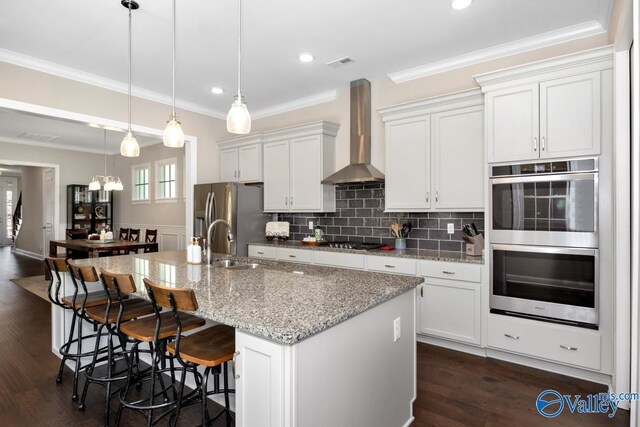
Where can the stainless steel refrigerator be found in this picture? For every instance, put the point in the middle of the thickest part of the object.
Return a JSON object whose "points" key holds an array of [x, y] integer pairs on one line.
{"points": [[238, 204]]}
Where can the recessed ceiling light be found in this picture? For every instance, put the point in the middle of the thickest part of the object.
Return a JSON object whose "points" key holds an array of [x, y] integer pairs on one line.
{"points": [[217, 90], [306, 57], [460, 4]]}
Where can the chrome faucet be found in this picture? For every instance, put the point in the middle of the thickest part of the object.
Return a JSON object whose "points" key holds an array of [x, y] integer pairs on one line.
{"points": [[210, 231]]}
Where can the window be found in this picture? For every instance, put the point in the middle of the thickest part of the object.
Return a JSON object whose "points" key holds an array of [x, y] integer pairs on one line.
{"points": [[166, 179], [140, 180]]}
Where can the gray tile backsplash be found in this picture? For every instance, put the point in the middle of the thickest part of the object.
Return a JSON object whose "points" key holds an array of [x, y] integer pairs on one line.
{"points": [[360, 217]]}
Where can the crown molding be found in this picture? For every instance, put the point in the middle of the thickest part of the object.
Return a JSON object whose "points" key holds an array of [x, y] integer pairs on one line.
{"points": [[307, 129], [586, 29], [241, 141], [465, 98], [296, 104]]}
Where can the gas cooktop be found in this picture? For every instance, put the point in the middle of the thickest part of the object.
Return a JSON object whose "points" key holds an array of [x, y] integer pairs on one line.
{"points": [[345, 244]]}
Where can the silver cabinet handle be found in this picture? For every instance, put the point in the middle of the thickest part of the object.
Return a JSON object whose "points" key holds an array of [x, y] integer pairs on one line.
{"points": [[567, 347], [286, 201], [390, 266], [535, 144], [260, 253], [543, 144], [291, 200], [422, 292], [437, 194], [238, 173], [427, 197], [233, 365], [448, 272], [513, 337], [235, 174], [292, 256]]}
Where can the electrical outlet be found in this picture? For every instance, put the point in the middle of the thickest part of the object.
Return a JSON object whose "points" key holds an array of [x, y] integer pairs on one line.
{"points": [[450, 228], [311, 225], [397, 329]]}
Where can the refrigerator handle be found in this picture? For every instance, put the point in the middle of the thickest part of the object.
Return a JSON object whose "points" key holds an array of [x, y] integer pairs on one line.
{"points": [[214, 209], [207, 215]]}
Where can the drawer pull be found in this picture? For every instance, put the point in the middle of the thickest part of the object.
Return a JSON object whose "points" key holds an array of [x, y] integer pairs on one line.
{"points": [[233, 365], [260, 253], [390, 266], [292, 256], [448, 272], [422, 292], [513, 337], [568, 347]]}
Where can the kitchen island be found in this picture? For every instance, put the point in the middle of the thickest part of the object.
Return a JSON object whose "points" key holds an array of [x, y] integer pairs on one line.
{"points": [[316, 346]]}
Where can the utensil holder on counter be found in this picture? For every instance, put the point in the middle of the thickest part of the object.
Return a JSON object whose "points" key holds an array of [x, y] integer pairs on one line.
{"points": [[475, 245], [401, 244]]}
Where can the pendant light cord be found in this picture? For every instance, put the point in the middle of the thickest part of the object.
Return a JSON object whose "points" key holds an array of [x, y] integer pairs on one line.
{"points": [[105, 154], [239, 48], [129, 67], [173, 59]]}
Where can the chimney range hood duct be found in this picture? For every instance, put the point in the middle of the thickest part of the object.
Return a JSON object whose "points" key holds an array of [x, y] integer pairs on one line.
{"points": [[359, 169]]}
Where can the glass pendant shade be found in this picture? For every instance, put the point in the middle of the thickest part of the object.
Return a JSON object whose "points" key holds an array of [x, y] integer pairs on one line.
{"points": [[94, 184], [129, 146], [239, 119], [173, 135]]}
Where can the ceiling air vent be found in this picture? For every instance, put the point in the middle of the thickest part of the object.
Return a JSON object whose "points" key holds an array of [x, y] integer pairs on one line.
{"points": [[340, 62], [37, 137]]}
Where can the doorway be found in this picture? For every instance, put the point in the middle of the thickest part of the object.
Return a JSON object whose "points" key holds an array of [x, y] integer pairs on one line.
{"points": [[8, 199]]}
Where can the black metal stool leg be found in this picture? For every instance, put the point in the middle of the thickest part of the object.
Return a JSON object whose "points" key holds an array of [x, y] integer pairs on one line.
{"points": [[225, 376], [76, 371], [89, 369], [64, 358]]}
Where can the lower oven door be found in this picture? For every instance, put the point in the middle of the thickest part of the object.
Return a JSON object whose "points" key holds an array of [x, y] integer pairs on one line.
{"points": [[555, 283]]}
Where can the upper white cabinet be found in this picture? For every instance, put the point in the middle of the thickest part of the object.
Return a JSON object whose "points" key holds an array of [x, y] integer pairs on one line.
{"points": [[549, 109], [241, 159], [435, 154], [296, 160]]}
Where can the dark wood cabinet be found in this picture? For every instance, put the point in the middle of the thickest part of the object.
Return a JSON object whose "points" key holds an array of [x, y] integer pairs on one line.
{"points": [[92, 210]]}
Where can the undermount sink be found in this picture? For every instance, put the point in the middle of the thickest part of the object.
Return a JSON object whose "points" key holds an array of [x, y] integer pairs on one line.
{"points": [[232, 264]]}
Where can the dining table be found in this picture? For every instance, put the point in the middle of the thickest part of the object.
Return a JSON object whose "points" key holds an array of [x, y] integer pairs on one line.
{"points": [[94, 247]]}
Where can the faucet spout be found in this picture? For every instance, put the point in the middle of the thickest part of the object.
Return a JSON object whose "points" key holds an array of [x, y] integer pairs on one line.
{"points": [[210, 232]]}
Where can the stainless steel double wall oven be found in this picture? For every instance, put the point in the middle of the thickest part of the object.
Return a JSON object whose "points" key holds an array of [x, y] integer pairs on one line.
{"points": [[544, 235]]}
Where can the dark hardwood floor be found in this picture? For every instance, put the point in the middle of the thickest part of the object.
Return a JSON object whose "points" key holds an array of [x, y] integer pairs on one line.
{"points": [[454, 389]]}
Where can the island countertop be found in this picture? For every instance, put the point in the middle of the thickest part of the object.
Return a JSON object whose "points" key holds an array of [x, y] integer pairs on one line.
{"points": [[279, 301]]}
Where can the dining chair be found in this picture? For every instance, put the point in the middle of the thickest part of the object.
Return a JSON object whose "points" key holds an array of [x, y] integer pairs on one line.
{"points": [[150, 236]]}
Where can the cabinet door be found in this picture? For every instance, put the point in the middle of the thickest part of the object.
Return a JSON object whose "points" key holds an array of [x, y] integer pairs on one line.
{"points": [[306, 174], [276, 176], [570, 116], [450, 310], [512, 124], [259, 382], [458, 163], [408, 165], [229, 165], [250, 163]]}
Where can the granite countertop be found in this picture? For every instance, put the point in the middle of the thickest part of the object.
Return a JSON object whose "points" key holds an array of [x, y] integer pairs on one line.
{"points": [[280, 301], [408, 253]]}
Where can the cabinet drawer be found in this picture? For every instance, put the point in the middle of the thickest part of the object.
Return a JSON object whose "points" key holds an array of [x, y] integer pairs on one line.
{"points": [[262, 252], [293, 255], [564, 344], [336, 259], [451, 271], [391, 265]]}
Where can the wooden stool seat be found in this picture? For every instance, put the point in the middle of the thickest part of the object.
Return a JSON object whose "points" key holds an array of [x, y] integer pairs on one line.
{"points": [[210, 347], [143, 329], [91, 299], [133, 309]]}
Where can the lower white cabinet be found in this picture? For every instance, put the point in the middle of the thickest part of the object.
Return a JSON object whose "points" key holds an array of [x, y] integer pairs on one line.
{"points": [[338, 259], [267, 252], [557, 343], [450, 302], [293, 255], [388, 264]]}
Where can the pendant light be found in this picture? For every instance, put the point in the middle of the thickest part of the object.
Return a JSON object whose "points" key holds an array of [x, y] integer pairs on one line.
{"points": [[109, 183], [238, 119], [129, 146], [173, 135]]}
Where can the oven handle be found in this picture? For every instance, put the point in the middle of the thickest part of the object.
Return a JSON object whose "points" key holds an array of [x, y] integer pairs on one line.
{"points": [[590, 176], [545, 250]]}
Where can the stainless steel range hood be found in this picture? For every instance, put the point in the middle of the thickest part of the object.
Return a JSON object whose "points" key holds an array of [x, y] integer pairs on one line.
{"points": [[360, 168]]}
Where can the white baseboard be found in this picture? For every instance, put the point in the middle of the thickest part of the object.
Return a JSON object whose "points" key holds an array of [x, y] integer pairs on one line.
{"points": [[453, 345], [27, 253]]}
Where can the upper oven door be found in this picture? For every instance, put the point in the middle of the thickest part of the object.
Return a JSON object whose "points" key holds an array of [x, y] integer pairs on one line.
{"points": [[547, 210]]}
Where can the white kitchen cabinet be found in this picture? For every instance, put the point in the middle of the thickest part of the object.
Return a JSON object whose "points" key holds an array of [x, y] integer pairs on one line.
{"points": [[296, 160], [450, 301], [435, 154], [241, 159], [266, 252], [407, 178], [458, 159], [556, 108]]}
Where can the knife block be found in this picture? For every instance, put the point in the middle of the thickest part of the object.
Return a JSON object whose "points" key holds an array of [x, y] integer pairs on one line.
{"points": [[475, 248]]}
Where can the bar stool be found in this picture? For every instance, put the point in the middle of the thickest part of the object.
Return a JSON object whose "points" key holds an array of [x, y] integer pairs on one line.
{"points": [[211, 348], [109, 317], [155, 330]]}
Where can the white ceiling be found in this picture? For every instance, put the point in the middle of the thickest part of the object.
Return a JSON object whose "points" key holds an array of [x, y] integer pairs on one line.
{"points": [[382, 36]]}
